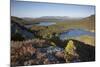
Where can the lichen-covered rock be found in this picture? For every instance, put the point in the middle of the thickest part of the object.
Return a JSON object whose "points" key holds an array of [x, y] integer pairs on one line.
{"points": [[30, 52], [60, 54], [70, 48]]}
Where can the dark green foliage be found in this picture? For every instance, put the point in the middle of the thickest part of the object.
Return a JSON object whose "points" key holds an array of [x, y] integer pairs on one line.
{"points": [[17, 37], [85, 51]]}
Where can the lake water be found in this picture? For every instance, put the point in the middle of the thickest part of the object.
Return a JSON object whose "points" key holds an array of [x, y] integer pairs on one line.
{"points": [[71, 33], [45, 23], [41, 24]]}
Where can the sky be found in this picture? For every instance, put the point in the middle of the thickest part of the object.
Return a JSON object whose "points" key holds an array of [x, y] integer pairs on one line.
{"points": [[36, 9]]}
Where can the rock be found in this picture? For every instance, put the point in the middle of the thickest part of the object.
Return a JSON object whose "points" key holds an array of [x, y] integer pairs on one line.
{"points": [[60, 54], [53, 49], [40, 55], [70, 48]]}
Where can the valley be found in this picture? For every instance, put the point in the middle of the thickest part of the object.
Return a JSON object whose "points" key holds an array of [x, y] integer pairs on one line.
{"points": [[52, 40]]}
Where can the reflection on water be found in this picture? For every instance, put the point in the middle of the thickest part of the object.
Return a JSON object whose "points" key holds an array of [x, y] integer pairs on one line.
{"points": [[71, 33], [41, 24], [46, 23]]}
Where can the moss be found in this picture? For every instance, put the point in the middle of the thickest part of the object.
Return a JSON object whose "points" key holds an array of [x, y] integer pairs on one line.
{"points": [[53, 44], [70, 47]]}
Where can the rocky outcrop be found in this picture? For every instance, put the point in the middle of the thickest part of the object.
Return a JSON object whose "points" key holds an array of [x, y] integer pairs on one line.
{"points": [[39, 51]]}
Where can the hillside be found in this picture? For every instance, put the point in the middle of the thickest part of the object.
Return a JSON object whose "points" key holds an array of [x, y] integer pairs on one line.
{"points": [[64, 22], [19, 20], [28, 52], [19, 32], [87, 23], [43, 43]]}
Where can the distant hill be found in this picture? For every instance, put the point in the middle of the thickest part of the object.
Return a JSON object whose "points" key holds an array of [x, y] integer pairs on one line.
{"points": [[54, 18], [89, 22], [50, 19]]}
